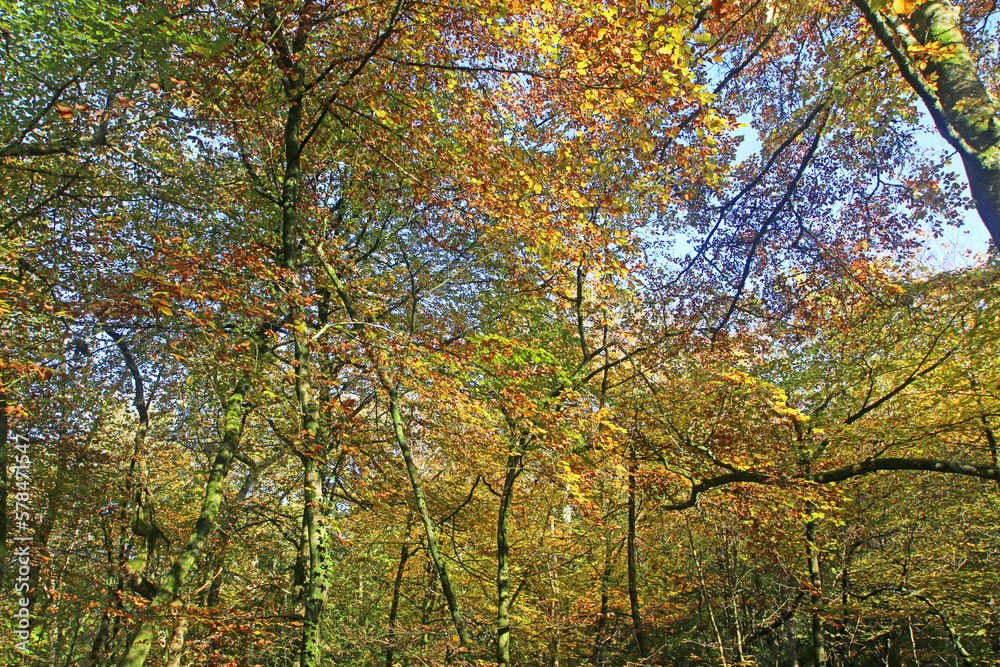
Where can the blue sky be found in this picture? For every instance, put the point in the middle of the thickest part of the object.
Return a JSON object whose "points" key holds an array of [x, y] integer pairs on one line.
{"points": [[957, 247]]}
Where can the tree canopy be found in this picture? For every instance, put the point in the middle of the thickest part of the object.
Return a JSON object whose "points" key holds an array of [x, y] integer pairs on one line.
{"points": [[410, 333]]}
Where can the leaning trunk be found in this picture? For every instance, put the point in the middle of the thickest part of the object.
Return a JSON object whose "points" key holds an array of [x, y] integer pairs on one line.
{"points": [[951, 88], [403, 443], [432, 542], [966, 104], [171, 584]]}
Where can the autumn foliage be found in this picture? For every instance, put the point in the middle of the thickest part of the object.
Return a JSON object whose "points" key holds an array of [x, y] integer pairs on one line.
{"points": [[515, 333]]}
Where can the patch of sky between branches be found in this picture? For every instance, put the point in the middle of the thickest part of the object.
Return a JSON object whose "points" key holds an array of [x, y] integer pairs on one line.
{"points": [[959, 245]]}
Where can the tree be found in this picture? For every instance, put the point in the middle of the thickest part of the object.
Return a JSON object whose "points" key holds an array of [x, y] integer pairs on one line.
{"points": [[926, 43], [375, 321]]}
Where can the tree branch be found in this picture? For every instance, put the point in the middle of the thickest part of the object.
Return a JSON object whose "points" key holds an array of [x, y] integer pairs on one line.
{"points": [[866, 467]]}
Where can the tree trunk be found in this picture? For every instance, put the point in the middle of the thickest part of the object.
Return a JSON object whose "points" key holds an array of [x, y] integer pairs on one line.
{"points": [[98, 646], [137, 483], [299, 572], [40, 542], [171, 584], [966, 103], [412, 473], [427, 604], [503, 555], [103, 637], [175, 645], [316, 586], [633, 575], [432, 542], [953, 92], [397, 585], [313, 517], [597, 657], [791, 642], [812, 554], [308, 406], [214, 598]]}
